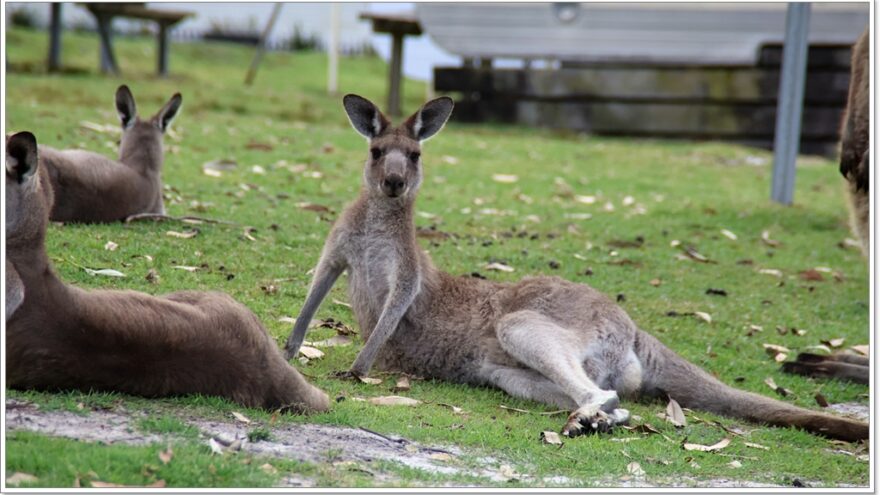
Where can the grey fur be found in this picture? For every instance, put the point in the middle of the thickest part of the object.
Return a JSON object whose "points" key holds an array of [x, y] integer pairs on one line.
{"points": [[543, 338], [90, 187], [59, 337]]}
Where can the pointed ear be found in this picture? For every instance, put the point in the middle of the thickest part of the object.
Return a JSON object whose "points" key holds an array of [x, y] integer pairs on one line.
{"points": [[168, 112], [21, 156], [430, 118], [14, 290], [365, 117], [125, 106]]}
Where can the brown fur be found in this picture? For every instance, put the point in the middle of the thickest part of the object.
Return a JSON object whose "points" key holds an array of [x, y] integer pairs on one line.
{"points": [[542, 338], [59, 337], [854, 143], [90, 187]]}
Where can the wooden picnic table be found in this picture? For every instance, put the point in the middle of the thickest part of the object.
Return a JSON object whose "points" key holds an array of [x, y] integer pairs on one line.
{"points": [[398, 26], [104, 14]]}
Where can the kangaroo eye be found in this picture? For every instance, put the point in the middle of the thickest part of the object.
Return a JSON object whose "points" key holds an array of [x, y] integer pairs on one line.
{"points": [[377, 153], [414, 156]]}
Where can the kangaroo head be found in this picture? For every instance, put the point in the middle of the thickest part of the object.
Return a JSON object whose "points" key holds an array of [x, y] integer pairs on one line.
{"points": [[28, 194], [394, 167], [137, 133]]}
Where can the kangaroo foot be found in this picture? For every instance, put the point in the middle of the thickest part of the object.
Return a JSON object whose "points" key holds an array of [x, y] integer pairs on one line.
{"points": [[592, 419], [346, 375]]}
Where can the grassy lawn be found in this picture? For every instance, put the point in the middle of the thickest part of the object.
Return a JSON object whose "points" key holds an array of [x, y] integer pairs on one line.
{"points": [[293, 146]]}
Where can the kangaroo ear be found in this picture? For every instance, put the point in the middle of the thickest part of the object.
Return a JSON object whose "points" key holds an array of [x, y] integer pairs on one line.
{"points": [[14, 290], [21, 156], [125, 106], [168, 112], [430, 118], [365, 117]]}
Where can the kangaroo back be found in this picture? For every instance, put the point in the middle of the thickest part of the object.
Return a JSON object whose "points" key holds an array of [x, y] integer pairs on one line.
{"points": [[668, 374]]}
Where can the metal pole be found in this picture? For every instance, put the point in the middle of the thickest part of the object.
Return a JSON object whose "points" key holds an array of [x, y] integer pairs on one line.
{"points": [[395, 69], [790, 102], [55, 38], [333, 51]]}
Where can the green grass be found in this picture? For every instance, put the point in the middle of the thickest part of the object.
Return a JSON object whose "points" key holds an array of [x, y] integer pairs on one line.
{"points": [[689, 191]]}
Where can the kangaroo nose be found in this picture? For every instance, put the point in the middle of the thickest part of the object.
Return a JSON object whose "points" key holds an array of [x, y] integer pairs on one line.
{"points": [[394, 184]]}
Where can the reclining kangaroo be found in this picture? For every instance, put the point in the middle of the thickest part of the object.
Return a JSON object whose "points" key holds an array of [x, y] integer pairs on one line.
{"points": [[93, 188], [854, 143], [543, 338], [840, 365], [61, 337]]}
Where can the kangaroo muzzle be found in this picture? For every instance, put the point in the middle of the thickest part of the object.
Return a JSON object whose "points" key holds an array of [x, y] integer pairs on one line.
{"points": [[393, 185]]}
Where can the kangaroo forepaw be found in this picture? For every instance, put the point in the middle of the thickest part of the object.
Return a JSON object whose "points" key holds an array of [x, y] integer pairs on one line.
{"points": [[592, 419], [346, 375]]}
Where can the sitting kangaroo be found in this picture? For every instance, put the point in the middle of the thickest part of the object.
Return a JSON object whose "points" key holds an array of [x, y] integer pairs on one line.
{"points": [[854, 143], [543, 338], [93, 188], [59, 337]]}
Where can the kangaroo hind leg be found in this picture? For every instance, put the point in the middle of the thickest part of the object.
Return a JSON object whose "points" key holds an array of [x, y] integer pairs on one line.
{"points": [[557, 353]]}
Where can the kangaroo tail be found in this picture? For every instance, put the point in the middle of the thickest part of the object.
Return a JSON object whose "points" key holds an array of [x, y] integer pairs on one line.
{"points": [[667, 373]]}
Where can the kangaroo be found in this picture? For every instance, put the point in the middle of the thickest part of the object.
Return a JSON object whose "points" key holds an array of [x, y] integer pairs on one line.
{"points": [[543, 338], [92, 188], [854, 143], [840, 365], [60, 337]]}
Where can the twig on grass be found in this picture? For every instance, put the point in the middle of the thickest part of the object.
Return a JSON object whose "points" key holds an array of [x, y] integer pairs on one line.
{"points": [[158, 217]]}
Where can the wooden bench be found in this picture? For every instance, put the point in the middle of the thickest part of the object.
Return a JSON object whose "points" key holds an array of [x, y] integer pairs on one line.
{"points": [[398, 26], [104, 14]]}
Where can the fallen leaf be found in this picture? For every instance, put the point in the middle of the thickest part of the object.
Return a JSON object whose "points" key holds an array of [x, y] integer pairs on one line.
{"points": [[655, 282], [860, 349], [441, 456], [220, 165], [635, 469], [269, 469], [674, 414], [770, 271], [735, 464], [628, 201], [730, 235], [370, 381], [499, 267], [166, 455], [753, 329], [256, 145], [312, 207], [756, 446], [833, 343], [765, 237], [784, 392], [811, 276], [216, 448], [505, 178], [821, 400], [772, 349], [724, 442], [551, 438], [189, 234], [106, 272], [18, 478], [703, 316], [455, 409], [186, 268], [507, 473], [341, 303], [152, 276], [402, 385], [241, 417], [111, 246], [587, 200], [334, 341], [311, 352], [393, 400], [693, 254]]}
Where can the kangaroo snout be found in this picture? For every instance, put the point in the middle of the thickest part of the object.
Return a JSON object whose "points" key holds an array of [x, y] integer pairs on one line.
{"points": [[393, 186]]}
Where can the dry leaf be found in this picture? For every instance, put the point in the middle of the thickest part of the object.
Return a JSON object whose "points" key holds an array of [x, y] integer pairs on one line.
{"points": [[111, 246], [311, 352], [507, 473], [655, 282], [756, 446], [730, 235], [550, 438], [186, 268], [692, 253], [189, 234], [106, 272], [860, 349], [703, 316], [770, 271], [628, 201], [219, 165], [370, 381], [753, 329], [784, 392], [18, 478], [772, 349], [455, 409], [811, 276], [341, 303], [166, 455], [393, 400], [587, 200], [505, 178], [499, 267], [735, 464], [334, 341], [312, 207], [269, 469], [821, 400], [152, 276], [402, 385], [216, 448], [674, 414], [241, 417], [635, 469], [724, 442], [834, 343], [765, 237], [441, 456]]}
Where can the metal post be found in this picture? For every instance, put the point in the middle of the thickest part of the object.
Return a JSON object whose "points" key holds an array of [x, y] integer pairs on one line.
{"points": [[163, 49], [395, 74], [333, 51], [790, 102], [55, 38]]}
